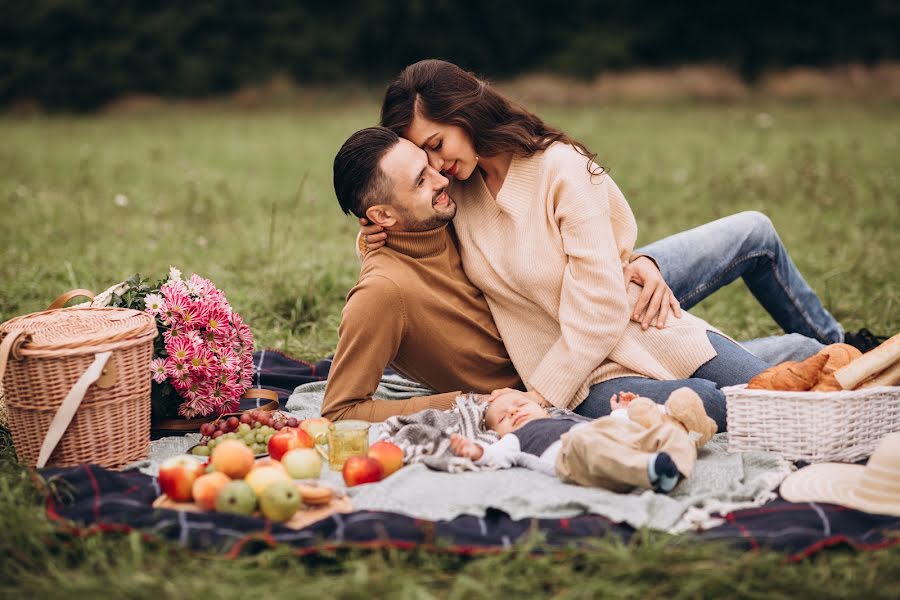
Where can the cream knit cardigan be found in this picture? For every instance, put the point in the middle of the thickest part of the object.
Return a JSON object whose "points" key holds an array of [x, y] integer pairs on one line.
{"points": [[548, 254]]}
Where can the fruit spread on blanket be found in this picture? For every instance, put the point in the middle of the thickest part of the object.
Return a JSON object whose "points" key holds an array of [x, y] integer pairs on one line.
{"points": [[233, 480]]}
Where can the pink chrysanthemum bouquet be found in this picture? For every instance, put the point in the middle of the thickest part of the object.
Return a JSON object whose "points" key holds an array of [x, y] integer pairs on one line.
{"points": [[203, 359]]}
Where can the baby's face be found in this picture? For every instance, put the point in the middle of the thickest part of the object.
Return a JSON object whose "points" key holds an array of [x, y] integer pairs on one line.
{"points": [[510, 412]]}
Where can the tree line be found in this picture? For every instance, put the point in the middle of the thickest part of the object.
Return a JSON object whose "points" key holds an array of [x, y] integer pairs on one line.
{"points": [[78, 54]]}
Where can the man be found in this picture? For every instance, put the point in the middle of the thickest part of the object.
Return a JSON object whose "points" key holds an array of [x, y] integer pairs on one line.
{"points": [[413, 306]]}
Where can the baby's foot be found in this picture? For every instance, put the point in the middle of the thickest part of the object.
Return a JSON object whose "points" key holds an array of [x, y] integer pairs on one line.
{"points": [[663, 473]]}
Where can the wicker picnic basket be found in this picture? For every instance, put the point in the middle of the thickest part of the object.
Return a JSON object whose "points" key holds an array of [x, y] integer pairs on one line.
{"points": [[811, 426], [76, 383]]}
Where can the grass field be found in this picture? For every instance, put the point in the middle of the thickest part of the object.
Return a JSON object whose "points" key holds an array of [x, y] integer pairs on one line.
{"points": [[246, 200]]}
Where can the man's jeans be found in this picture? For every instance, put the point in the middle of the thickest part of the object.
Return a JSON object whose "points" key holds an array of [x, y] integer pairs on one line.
{"points": [[697, 262]]}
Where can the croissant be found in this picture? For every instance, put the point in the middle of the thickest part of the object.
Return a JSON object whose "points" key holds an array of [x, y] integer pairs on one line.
{"points": [[791, 376], [839, 355]]}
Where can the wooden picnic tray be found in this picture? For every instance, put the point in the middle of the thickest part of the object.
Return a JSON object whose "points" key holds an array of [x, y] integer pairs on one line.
{"points": [[305, 516]]}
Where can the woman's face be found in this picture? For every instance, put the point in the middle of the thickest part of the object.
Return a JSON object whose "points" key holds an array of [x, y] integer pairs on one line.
{"points": [[449, 149]]}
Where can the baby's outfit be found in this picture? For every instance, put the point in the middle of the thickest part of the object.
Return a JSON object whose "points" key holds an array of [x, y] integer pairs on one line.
{"points": [[610, 452]]}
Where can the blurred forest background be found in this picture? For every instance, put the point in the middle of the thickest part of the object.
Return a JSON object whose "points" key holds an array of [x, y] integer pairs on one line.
{"points": [[81, 54]]}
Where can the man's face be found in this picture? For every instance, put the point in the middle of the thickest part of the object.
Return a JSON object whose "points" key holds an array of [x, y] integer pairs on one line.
{"points": [[510, 412], [419, 192]]}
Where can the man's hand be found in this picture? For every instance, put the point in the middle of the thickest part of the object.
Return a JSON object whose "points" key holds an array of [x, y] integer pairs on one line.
{"points": [[371, 236], [656, 299], [465, 447]]}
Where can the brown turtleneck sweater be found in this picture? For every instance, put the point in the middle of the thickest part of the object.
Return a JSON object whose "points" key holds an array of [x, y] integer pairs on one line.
{"points": [[414, 308]]}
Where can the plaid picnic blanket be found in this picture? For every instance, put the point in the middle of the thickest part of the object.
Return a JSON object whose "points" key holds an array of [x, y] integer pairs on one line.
{"points": [[91, 500]]}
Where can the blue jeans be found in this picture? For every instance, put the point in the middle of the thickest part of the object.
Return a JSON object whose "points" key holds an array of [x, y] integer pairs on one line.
{"points": [[697, 262], [732, 366]]}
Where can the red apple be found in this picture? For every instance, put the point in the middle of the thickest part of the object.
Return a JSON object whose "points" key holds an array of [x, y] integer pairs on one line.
{"points": [[362, 469], [286, 440], [177, 475], [389, 455]]}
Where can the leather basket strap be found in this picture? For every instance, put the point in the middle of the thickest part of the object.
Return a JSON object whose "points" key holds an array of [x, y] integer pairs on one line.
{"points": [[8, 347], [69, 405], [61, 301]]}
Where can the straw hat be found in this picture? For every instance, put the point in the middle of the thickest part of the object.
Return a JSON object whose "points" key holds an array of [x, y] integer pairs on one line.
{"points": [[873, 488]]}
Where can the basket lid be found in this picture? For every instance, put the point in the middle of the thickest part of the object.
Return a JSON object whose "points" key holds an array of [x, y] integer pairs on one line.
{"points": [[78, 329]]}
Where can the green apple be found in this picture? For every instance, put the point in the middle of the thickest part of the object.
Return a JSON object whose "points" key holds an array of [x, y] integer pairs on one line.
{"points": [[302, 463], [279, 501], [236, 498]]}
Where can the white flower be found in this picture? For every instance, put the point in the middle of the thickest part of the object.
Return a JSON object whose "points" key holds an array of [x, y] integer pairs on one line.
{"points": [[154, 303], [174, 274], [121, 200], [764, 120]]}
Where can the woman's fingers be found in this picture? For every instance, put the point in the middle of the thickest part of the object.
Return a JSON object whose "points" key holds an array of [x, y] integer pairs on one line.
{"points": [[653, 308], [664, 309], [676, 306], [642, 301]]}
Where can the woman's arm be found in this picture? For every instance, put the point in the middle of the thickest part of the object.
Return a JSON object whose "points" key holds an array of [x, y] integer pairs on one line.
{"points": [[590, 211]]}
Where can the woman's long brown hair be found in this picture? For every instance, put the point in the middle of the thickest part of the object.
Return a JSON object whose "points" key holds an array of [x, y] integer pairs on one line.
{"points": [[444, 93]]}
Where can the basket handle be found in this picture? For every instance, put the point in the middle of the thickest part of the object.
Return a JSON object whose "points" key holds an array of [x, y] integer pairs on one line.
{"points": [[69, 405], [61, 300], [9, 346]]}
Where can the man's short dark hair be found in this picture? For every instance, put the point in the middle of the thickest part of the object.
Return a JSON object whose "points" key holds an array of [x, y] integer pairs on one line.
{"points": [[359, 181]]}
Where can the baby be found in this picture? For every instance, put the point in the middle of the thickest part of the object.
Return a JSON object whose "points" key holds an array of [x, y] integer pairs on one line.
{"points": [[610, 452]]}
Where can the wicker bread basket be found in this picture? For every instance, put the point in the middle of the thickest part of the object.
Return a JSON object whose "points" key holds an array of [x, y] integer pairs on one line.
{"points": [[76, 383], [811, 426]]}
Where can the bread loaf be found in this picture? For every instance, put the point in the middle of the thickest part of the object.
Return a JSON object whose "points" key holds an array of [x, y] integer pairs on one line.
{"points": [[872, 362]]}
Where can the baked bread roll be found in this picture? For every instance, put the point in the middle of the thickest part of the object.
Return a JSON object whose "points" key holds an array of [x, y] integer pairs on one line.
{"points": [[791, 376], [839, 355]]}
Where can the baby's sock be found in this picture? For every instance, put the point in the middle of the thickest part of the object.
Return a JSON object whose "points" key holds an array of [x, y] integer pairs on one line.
{"points": [[662, 472]]}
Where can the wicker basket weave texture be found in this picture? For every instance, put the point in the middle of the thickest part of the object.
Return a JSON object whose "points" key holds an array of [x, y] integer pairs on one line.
{"points": [[112, 425], [812, 426]]}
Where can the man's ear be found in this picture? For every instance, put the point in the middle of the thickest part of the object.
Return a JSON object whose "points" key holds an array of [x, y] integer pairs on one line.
{"points": [[381, 214]]}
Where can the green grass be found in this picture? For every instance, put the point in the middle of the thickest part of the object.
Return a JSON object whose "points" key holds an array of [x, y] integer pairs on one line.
{"points": [[246, 200]]}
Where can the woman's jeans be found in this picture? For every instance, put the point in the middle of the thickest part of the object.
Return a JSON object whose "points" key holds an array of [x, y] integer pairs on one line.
{"points": [[697, 262], [732, 366]]}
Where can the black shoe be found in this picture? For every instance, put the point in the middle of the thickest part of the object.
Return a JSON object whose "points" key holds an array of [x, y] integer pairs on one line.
{"points": [[863, 340]]}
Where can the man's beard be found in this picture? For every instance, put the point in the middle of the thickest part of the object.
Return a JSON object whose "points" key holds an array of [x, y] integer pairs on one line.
{"points": [[432, 222]]}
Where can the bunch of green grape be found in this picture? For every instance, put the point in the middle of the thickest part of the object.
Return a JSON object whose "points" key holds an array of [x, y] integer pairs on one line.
{"points": [[253, 428]]}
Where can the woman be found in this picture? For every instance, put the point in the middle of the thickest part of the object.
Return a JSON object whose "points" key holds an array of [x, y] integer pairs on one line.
{"points": [[545, 234]]}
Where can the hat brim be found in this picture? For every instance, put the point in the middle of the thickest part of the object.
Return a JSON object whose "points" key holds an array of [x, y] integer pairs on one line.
{"points": [[834, 483]]}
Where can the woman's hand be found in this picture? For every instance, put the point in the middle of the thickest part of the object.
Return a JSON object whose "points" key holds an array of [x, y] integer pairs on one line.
{"points": [[371, 236], [656, 300], [465, 447]]}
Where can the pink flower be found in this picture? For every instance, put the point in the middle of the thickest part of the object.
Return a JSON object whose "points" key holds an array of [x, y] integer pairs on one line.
{"points": [[180, 349], [228, 359], [217, 319], [158, 368], [191, 316], [177, 301], [200, 363], [172, 333], [174, 369]]}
